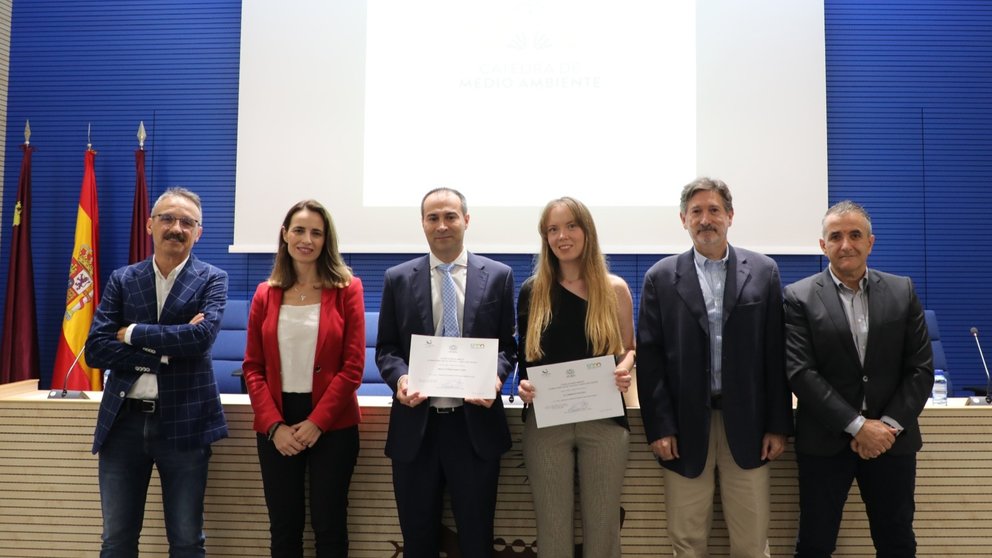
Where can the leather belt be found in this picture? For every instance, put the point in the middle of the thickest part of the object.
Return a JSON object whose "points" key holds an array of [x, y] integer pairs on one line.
{"points": [[445, 410], [147, 406]]}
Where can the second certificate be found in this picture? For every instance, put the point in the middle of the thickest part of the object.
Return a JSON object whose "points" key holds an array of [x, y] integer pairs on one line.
{"points": [[575, 391]]}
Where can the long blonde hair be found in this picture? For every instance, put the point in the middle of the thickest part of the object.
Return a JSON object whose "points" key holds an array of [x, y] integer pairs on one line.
{"points": [[602, 320]]}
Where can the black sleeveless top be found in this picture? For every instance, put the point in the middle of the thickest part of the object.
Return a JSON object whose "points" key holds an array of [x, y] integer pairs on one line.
{"points": [[565, 337]]}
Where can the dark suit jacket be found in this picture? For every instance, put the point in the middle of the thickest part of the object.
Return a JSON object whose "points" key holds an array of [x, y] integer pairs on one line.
{"points": [[673, 359], [406, 310], [191, 414], [827, 376], [338, 362]]}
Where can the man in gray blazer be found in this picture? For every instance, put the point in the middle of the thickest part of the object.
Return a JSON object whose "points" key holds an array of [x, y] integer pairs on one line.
{"points": [[859, 360], [710, 375]]}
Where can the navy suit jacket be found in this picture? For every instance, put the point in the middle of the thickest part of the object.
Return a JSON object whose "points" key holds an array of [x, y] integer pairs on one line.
{"points": [[406, 310], [827, 376], [191, 413], [673, 359]]}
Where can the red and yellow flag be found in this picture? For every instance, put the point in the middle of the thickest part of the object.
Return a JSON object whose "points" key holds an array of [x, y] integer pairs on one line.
{"points": [[83, 292]]}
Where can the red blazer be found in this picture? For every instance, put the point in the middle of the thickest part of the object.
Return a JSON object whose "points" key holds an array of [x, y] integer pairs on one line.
{"points": [[338, 363]]}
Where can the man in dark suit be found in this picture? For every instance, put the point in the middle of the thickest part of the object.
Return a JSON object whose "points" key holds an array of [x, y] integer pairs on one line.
{"points": [[859, 360], [437, 442], [710, 377], [154, 329]]}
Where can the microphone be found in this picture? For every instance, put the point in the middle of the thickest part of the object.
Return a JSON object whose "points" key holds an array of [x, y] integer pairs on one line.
{"points": [[66, 393], [513, 385], [988, 379]]}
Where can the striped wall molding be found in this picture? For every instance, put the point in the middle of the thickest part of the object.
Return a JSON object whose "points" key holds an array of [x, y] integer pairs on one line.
{"points": [[50, 507]]}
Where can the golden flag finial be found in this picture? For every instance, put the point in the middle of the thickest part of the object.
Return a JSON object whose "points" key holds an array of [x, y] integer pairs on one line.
{"points": [[27, 132], [141, 135]]}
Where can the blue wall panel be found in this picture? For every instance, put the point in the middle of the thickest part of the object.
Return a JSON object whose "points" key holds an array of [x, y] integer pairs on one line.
{"points": [[173, 65], [909, 131], [909, 135]]}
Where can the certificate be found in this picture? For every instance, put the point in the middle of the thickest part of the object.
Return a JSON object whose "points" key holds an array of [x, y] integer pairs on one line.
{"points": [[453, 366], [575, 391]]}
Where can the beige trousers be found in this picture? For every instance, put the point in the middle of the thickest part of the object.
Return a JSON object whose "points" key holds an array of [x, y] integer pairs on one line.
{"points": [[599, 448], [744, 494]]}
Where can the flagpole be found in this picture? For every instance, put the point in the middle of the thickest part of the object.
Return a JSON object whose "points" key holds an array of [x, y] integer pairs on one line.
{"points": [[141, 246], [154, 120]]}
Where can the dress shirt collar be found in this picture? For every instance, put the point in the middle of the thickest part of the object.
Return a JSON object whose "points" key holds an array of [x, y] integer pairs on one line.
{"points": [[173, 274], [863, 283], [461, 260], [701, 260]]}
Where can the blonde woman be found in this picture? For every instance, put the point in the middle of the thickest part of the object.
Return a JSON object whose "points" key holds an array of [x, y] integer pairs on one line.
{"points": [[572, 308], [303, 364]]}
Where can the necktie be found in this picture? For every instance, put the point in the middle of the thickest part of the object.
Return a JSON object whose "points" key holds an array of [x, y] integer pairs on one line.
{"points": [[449, 302]]}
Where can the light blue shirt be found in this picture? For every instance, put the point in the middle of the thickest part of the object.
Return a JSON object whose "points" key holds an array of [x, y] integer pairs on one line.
{"points": [[712, 281]]}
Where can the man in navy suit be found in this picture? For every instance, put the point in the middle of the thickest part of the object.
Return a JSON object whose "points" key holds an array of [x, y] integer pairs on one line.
{"points": [[711, 379], [436, 442], [154, 329], [859, 359]]}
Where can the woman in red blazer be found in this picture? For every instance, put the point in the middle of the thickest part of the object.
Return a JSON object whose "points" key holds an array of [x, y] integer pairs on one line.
{"points": [[303, 363]]}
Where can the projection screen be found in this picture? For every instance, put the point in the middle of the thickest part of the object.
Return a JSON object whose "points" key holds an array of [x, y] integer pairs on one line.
{"points": [[365, 106]]}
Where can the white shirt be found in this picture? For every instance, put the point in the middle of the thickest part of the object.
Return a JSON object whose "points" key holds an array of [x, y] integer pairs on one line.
{"points": [[297, 332], [146, 387]]}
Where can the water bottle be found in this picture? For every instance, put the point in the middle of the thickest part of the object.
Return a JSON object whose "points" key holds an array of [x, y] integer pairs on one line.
{"points": [[939, 388]]}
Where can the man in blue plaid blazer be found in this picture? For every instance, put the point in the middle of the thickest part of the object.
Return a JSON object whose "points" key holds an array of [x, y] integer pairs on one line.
{"points": [[154, 330]]}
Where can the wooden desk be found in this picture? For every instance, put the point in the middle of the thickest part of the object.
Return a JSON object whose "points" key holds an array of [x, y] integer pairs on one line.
{"points": [[50, 504]]}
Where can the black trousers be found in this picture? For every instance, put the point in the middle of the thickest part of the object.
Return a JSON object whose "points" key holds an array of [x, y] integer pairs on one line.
{"points": [[330, 463], [887, 485], [446, 459]]}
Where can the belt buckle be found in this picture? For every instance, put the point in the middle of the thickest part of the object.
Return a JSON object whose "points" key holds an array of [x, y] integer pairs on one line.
{"points": [[147, 406], [443, 410]]}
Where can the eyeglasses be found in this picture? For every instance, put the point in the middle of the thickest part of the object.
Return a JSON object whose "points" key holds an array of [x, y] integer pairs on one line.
{"points": [[168, 220]]}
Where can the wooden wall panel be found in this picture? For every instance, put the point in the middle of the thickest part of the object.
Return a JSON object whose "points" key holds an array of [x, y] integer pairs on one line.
{"points": [[50, 506]]}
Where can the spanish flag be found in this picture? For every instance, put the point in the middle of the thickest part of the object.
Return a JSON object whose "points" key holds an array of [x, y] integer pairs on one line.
{"points": [[83, 293]]}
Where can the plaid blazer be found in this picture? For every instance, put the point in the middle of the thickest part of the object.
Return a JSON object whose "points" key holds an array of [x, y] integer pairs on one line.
{"points": [[191, 413]]}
